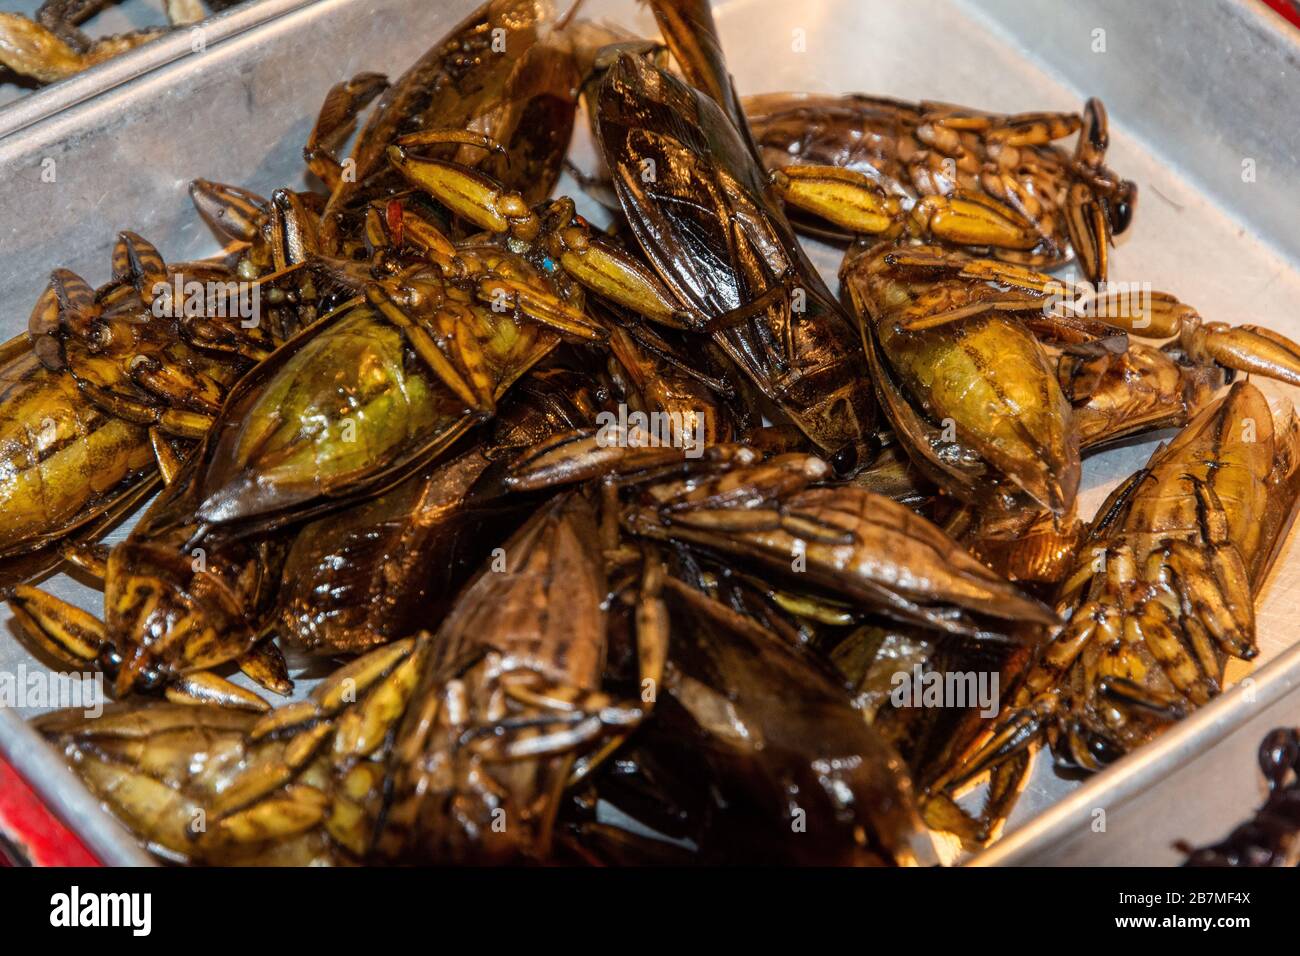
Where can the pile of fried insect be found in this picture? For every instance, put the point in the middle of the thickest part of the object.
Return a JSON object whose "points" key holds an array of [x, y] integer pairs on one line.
{"points": [[53, 46], [456, 458]]}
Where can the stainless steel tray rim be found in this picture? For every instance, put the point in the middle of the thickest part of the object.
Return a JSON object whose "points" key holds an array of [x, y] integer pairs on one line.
{"points": [[53, 99]]}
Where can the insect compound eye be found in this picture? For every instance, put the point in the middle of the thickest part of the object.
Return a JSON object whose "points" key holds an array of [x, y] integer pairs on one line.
{"points": [[109, 660], [845, 460], [1278, 753]]}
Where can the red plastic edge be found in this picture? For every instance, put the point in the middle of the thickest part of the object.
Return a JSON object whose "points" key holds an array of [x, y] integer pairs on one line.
{"points": [[1286, 8], [30, 832]]}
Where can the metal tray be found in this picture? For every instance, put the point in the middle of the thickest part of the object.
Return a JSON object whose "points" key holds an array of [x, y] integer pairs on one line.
{"points": [[1193, 91], [20, 106]]}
